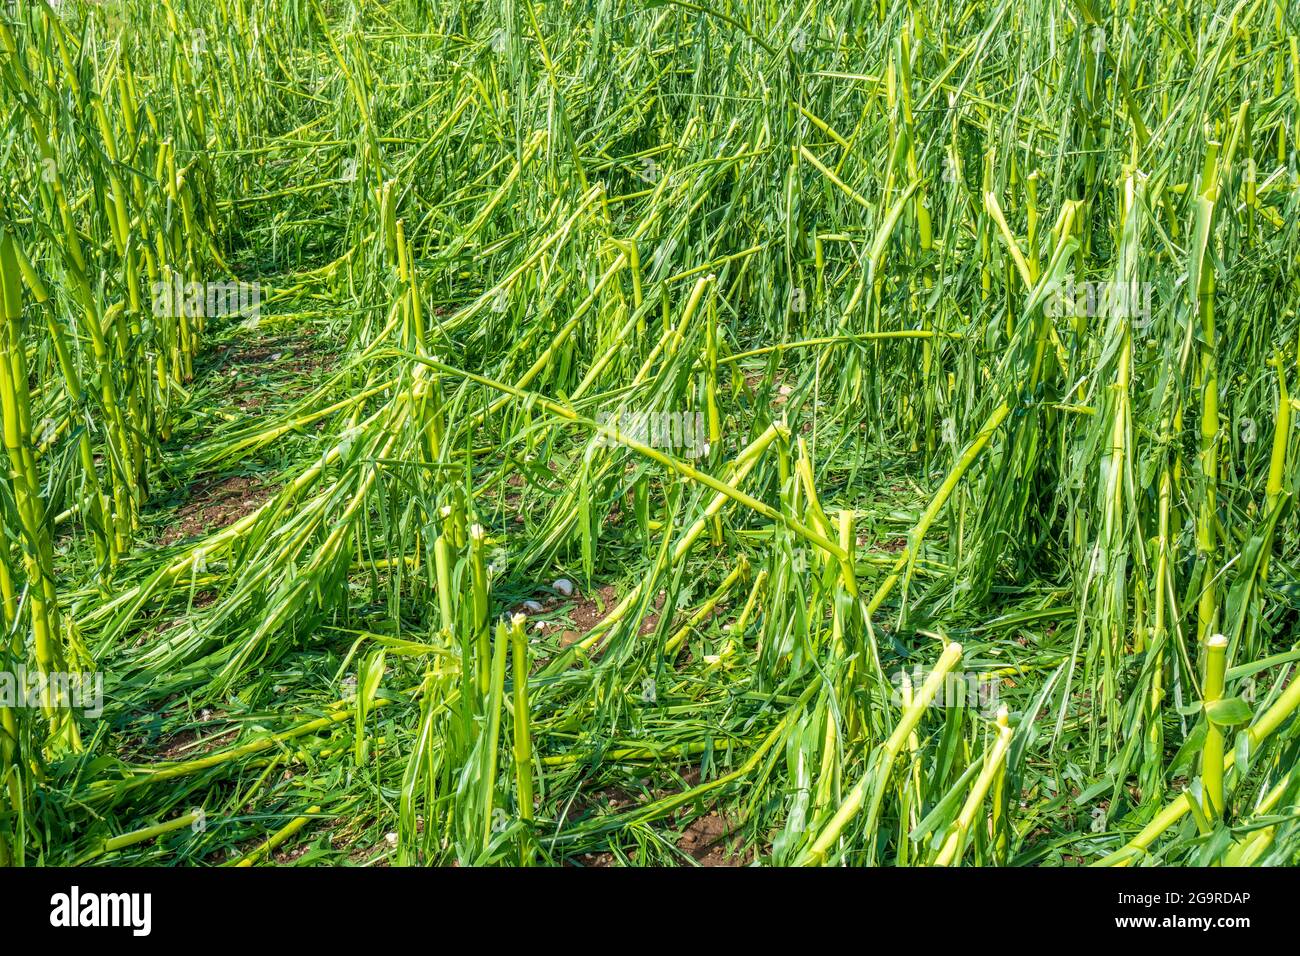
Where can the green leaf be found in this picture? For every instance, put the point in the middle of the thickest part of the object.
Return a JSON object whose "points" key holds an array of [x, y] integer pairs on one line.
{"points": [[372, 672], [1243, 752], [1228, 712]]}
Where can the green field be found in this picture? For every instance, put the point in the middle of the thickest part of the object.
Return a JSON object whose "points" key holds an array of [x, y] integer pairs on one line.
{"points": [[642, 432]]}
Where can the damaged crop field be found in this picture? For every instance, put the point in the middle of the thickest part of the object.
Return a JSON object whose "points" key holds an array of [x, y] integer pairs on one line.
{"points": [[649, 433]]}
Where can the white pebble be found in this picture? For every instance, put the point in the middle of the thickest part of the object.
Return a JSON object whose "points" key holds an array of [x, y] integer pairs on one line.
{"points": [[532, 607], [563, 586]]}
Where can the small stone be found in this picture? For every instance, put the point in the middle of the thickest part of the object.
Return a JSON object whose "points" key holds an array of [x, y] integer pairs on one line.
{"points": [[532, 607], [563, 586]]}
